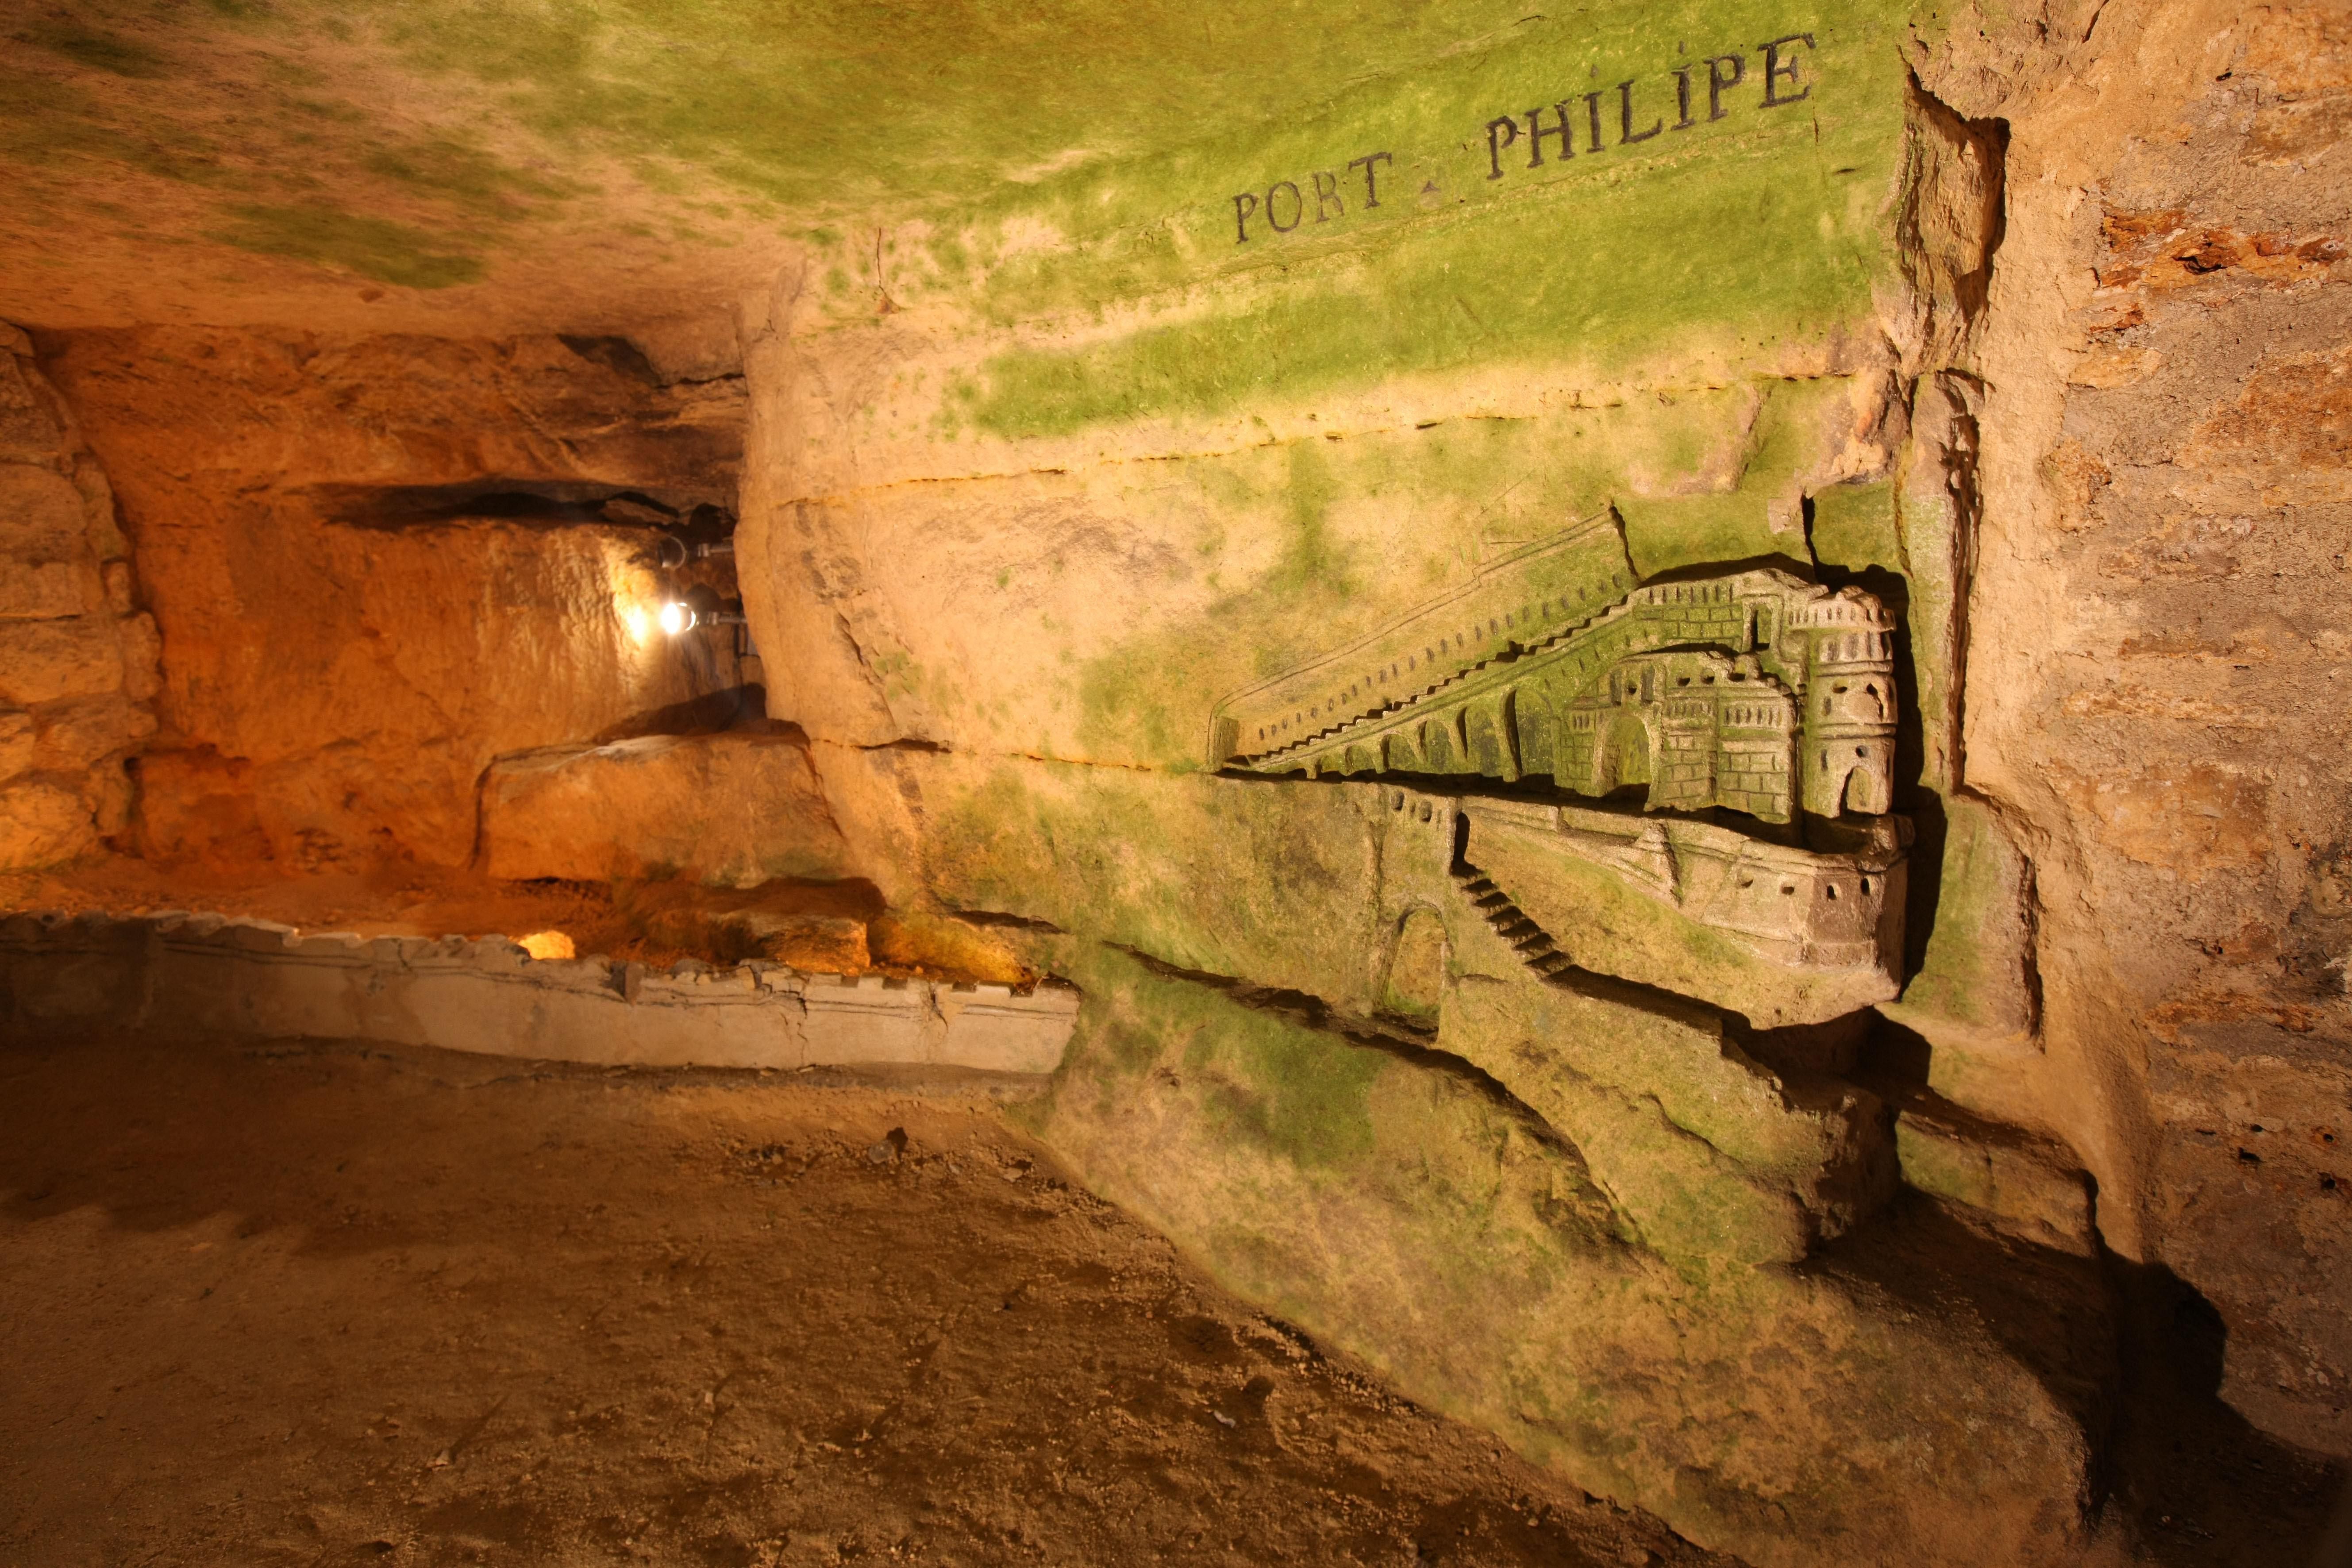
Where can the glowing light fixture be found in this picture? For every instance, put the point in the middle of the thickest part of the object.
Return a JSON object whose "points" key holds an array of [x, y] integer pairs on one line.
{"points": [[548, 944], [698, 607]]}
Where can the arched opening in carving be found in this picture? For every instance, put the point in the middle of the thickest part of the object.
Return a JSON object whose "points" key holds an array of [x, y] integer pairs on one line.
{"points": [[1868, 790], [1534, 723], [1412, 985], [1621, 758], [1486, 729], [1440, 749]]}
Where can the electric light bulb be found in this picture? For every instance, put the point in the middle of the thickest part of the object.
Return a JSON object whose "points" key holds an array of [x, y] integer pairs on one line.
{"points": [[676, 617]]}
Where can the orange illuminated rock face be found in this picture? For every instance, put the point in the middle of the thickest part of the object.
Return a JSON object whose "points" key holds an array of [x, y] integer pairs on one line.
{"points": [[379, 564], [737, 809], [76, 657]]}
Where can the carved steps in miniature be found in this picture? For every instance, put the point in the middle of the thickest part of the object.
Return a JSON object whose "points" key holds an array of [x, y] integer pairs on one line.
{"points": [[1511, 923]]}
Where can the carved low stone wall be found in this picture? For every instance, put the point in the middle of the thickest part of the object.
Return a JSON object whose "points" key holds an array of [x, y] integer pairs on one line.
{"points": [[204, 975]]}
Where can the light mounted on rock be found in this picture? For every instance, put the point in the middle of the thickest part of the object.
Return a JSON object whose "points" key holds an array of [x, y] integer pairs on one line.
{"points": [[698, 606], [672, 553]]}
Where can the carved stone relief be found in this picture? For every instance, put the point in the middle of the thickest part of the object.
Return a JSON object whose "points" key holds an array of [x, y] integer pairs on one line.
{"points": [[1778, 933], [1752, 692], [1755, 692], [1789, 906]]}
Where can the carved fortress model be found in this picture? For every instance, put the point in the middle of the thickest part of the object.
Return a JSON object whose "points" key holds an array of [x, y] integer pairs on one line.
{"points": [[1753, 691]]}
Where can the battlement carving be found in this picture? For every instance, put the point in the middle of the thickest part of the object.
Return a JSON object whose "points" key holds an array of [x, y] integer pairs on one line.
{"points": [[1756, 691]]}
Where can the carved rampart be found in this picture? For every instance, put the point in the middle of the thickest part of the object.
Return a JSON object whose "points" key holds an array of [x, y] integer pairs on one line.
{"points": [[1521, 600], [1800, 909], [1755, 692]]}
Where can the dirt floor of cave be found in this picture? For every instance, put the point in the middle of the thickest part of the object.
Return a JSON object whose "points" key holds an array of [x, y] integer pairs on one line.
{"points": [[306, 1304]]}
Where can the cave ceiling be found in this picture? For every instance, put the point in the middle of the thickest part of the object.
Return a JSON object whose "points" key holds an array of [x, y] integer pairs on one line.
{"points": [[454, 167]]}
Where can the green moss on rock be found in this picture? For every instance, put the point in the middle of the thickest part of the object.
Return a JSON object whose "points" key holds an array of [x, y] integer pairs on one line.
{"points": [[1447, 1237], [373, 247]]}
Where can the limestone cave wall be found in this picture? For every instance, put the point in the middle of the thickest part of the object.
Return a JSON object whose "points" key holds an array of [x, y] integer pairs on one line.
{"points": [[378, 563], [2158, 651], [1029, 500], [2023, 326]]}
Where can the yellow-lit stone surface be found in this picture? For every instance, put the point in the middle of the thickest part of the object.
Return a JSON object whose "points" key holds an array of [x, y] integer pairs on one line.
{"points": [[735, 810]]}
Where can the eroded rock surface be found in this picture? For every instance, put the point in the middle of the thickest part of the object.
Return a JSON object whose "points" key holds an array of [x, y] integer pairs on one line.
{"points": [[78, 653], [733, 809], [381, 562], [2165, 523]]}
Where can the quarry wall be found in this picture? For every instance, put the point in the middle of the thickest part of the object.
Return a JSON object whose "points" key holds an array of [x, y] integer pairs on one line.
{"points": [[377, 563], [2160, 712], [1999, 324]]}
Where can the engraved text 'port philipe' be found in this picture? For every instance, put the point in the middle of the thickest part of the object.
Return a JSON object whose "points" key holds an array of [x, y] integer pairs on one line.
{"points": [[1587, 124]]}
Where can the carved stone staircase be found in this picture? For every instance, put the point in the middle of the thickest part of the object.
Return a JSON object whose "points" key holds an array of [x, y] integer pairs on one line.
{"points": [[1511, 925]]}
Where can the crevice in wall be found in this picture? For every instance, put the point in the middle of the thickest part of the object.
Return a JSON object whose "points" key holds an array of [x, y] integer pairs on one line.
{"points": [[741, 709], [1004, 921], [1949, 222], [532, 502], [1314, 1013], [2030, 908], [617, 354], [1564, 399]]}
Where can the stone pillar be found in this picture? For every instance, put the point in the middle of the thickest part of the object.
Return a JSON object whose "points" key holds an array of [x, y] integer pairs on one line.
{"points": [[816, 602], [78, 661]]}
